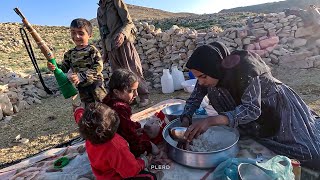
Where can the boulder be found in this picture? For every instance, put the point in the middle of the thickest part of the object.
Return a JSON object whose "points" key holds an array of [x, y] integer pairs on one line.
{"points": [[304, 31], [269, 42], [6, 106], [299, 42]]}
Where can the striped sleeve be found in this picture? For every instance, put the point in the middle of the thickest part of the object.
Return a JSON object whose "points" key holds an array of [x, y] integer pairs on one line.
{"points": [[194, 101], [250, 107]]}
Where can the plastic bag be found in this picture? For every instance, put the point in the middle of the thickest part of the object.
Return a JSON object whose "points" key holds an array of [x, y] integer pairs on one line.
{"points": [[228, 170], [278, 167]]}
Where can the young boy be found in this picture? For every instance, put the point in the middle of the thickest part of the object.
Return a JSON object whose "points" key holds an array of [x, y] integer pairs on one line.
{"points": [[108, 152], [83, 63]]}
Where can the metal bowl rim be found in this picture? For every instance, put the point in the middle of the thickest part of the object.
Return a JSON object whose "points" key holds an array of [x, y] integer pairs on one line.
{"points": [[210, 152], [172, 114]]}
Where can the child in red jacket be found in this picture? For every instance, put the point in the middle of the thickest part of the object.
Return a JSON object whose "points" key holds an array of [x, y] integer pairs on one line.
{"points": [[108, 152], [123, 87]]}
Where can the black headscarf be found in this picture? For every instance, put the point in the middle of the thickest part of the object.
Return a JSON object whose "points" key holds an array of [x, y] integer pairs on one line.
{"points": [[207, 59], [234, 70]]}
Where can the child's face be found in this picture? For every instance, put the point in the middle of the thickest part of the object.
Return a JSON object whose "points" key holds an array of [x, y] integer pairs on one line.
{"points": [[130, 94], [80, 37]]}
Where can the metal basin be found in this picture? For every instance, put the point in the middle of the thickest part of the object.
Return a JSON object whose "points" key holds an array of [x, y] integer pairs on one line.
{"points": [[174, 111], [228, 149]]}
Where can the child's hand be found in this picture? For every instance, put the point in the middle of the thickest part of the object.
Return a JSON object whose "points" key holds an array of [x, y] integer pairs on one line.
{"points": [[50, 66], [155, 150], [145, 159], [139, 131], [74, 78]]}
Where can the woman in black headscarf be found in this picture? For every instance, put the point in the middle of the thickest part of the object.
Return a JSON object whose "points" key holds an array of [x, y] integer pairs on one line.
{"points": [[243, 91]]}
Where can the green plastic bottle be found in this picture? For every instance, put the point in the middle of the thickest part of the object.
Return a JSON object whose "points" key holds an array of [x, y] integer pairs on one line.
{"points": [[65, 86]]}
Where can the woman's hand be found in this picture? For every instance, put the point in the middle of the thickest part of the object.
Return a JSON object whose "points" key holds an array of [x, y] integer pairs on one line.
{"points": [[184, 144], [202, 126], [185, 122], [119, 40], [196, 129]]}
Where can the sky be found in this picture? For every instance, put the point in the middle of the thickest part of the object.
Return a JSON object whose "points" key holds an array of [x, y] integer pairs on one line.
{"points": [[62, 12]]}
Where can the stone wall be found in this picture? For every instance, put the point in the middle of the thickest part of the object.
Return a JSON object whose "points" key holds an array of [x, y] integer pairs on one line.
{"points": [[18, 91]]}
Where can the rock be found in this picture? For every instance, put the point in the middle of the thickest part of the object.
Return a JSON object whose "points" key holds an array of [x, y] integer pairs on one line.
{"points": [[263, 38], [316, 62], [267, 60], [283, 20], [271, 48], [294, 28], [284, 40], [15, 109], [287, 59], [299, 42], [152, 28], [246, 41], [250, 47], [6, 105], [175, 57], [150, 51], [148, 36], [233, 35], [261, 53], [188, 41], [272, 32], [23, 105], [242, 33], [257, 46], [3, 88], [269, 42], [37, 101], [41, 93], [193, 36], [19, 81], [7, 119], [191, 46], [259, 32], [268, 26], [274, 59], [238, 41], [317, 42], [165, 37], [279, 25], [1, 113], [304, 31], [13, 96], [258, 25]]}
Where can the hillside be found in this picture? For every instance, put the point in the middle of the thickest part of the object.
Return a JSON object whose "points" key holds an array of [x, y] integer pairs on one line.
{"points": [[274, 7], [139, 13]]}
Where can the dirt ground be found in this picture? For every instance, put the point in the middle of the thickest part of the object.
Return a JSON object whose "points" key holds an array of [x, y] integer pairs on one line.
{"points": [[51, 123]]}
